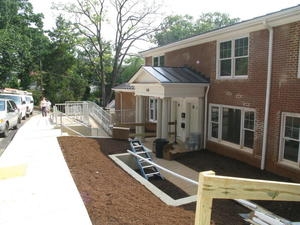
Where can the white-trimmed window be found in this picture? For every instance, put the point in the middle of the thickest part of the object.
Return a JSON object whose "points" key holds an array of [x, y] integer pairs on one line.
{"points": [[232, 125], [290, 139], [159, 61], [233, 58], [152, 109]]}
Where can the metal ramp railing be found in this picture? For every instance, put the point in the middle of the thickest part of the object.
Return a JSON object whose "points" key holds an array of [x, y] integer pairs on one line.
{"points": [[72, 113]]}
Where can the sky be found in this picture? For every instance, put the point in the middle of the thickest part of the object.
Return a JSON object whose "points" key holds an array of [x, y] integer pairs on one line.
{"points": [[235, 8]]}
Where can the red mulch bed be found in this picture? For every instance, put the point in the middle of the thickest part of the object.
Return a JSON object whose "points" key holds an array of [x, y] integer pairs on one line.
{"points": [[111, 196]]}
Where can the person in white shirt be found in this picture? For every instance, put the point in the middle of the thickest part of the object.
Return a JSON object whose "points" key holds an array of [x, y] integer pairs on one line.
{"points": [[43, 106], [48, 107]]}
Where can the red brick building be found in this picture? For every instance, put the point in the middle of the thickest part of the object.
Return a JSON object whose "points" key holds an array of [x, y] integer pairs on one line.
{"points": [[246, 102]]}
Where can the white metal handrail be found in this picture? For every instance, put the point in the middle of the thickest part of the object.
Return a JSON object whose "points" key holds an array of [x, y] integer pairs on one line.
{"points": [[101, 116]]}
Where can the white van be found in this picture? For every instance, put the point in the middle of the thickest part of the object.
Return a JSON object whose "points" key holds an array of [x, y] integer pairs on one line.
{"points": [[29, 103], [18, 98]]}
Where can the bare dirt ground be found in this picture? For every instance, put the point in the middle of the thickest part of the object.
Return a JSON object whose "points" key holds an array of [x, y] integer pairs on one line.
{"points": [[112, 197]]}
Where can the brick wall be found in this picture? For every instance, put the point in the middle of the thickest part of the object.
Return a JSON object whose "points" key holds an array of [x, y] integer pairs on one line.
{"points": [[285, 90], [148, 61], [250, 92], [125, 101]]}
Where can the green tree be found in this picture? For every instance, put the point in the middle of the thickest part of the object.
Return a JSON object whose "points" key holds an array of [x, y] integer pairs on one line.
{"points": [[175, 28], [211, 21], [60, 80], [18, 26], [130, 67], [133, 22]]}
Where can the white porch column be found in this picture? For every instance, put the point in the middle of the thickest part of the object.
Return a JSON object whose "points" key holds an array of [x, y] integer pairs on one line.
{"points": [[164, 130], [173, 114], [140, 114], [137, 119], [201, 121], [159, 119]]}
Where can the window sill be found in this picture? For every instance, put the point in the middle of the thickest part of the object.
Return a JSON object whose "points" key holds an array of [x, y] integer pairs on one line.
{"points": [[232, 77], [231, 145], [289, 164]]}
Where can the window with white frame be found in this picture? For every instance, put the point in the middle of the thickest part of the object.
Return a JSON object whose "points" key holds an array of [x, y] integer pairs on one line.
{"points": [[233, 58], [232, 125], [290, 138], [159, 61], [152, 109]]}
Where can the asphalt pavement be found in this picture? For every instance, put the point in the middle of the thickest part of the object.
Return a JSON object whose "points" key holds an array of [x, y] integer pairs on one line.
{"points": [[4, 141]]}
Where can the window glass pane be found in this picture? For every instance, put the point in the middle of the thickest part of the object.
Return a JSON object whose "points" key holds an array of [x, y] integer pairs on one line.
{"points": [[292, 127], [161, 60], [241, 47], [249, 120], [214, 130], [151, 115], [241, 66], [231, 125], [152, 107], [215, 114], [225, 69], [225, 49], [291, 150], [155, 61], [2, 105], [248, 139]]}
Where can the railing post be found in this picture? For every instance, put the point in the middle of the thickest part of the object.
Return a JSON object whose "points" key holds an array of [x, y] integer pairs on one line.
{"points": [[204, 202]]}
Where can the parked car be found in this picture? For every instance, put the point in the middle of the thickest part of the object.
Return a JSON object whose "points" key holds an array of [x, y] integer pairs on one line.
{"points": [[20, 101], [29, 104], [9, 115]]}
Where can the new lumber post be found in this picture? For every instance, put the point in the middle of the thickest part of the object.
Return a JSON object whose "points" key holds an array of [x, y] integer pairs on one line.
{"points": [[212, 186]]}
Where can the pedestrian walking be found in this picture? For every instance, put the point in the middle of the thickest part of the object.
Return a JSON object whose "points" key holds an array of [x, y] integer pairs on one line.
{"points": [[48, 108], [43, 106]]}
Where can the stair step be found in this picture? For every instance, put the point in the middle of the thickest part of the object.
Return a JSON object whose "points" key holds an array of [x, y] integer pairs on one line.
{"points": [[148, 166], [137, 146], [151, 174], [141, 160], [145, 167], [140, 152]]}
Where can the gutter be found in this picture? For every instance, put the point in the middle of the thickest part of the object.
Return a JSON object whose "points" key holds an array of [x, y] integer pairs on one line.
{"points": [[205, 118], [268, 95]]}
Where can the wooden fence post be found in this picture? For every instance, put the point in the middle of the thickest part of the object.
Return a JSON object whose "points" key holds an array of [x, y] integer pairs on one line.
{"points": [[222, 187], [204, 202]]}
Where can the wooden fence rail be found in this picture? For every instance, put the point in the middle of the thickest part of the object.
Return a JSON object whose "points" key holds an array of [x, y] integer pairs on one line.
{"points": [[212, 186]]}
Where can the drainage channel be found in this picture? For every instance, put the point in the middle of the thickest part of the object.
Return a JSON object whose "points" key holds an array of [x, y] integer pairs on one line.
{"points": [[127, 162]]}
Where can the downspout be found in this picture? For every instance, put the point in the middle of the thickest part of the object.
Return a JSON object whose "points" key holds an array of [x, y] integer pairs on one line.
{"points": [[268, 93], [205, 118], [121, 111]]}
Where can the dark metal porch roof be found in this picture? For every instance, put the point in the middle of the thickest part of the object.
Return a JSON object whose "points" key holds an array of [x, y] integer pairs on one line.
{"points": [[124, 86], [175, 75]]}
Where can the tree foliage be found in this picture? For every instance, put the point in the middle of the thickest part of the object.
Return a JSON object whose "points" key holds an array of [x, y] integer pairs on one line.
{"points": [[19, 27], [178, 27], [130, 67], [133, 20], [60, 64], [93, 47]]}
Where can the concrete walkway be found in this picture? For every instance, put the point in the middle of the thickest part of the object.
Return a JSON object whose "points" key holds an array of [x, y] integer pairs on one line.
{"points": [[36, 186]]}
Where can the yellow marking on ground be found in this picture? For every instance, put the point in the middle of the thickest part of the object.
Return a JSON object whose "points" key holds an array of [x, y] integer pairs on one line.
{"points": [[12, 171]]}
